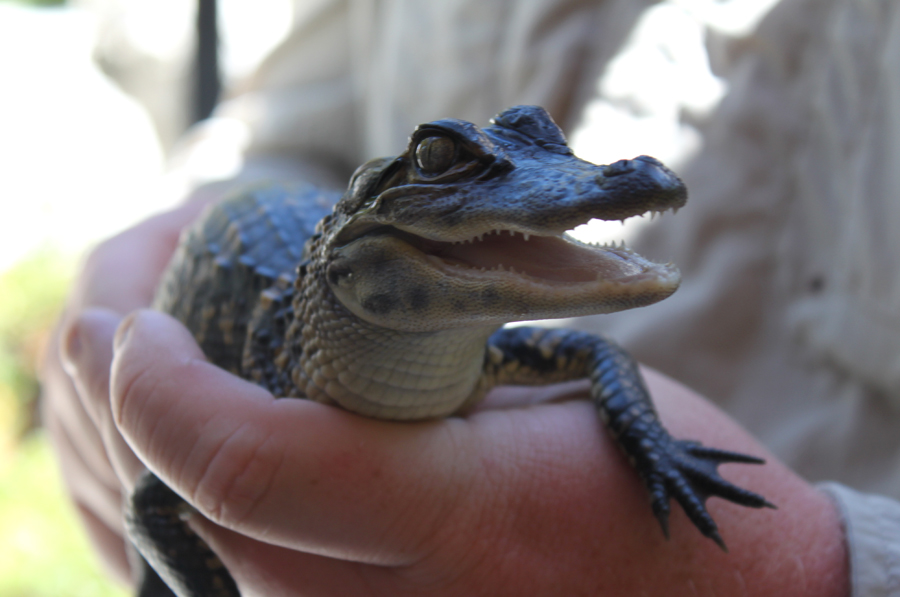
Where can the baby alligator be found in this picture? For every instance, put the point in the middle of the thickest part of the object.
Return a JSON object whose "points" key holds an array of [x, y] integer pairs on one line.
{"points": [[391, 306]]}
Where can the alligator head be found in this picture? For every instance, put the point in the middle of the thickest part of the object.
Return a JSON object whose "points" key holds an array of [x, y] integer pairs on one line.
{"points": [[468, 228]]}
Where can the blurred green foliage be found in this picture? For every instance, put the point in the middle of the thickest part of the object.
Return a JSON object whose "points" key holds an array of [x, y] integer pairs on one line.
{"points": [[44, 550], [31, 295]]}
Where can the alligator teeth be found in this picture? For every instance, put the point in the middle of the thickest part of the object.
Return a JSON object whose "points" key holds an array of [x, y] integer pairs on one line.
{"points": [[526, 235]]}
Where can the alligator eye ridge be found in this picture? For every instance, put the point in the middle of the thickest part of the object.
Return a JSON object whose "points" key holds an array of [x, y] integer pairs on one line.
{"points": [[435, 155]]}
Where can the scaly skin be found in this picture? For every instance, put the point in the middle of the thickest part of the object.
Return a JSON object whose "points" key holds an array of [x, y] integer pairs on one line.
{"points": [[391, 307]]}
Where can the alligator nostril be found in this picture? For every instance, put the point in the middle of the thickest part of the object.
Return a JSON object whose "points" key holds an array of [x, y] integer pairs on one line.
{"points": [[618, 168], [650, 160]]}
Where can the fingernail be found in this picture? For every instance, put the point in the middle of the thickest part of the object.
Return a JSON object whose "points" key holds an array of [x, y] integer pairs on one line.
{"points": [[86, 337], [124, 331], [72, 346]]}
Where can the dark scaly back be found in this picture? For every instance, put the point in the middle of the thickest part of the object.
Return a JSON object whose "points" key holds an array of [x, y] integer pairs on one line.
{"points": [[239, 248]]}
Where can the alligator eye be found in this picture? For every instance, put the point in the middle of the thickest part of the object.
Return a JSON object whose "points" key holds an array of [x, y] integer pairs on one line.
{"points": [[435, 155]]}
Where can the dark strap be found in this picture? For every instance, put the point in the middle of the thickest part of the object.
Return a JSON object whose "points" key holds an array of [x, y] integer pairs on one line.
{"points": [[207, 80]]}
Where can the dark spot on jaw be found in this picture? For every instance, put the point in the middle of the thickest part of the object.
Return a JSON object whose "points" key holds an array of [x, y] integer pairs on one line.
{"points": [[418, 298], [459, 306], [379, 304], [490, 297], [335, 273]]}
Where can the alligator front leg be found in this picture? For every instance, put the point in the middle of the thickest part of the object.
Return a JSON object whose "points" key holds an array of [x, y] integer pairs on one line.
{"points": [[670, 468]]}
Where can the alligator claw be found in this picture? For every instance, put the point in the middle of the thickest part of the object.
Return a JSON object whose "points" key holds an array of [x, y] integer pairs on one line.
{"points": [[687, 471]]}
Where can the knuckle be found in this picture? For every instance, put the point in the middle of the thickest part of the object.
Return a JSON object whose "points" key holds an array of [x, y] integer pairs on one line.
{"points": [[237, 476]]}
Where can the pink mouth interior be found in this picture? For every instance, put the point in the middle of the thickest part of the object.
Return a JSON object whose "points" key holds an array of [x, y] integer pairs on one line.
{"points": [[545, 257]]}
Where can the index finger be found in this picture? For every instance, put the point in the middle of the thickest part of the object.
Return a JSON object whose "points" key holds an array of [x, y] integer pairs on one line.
{"points": [[317, 479]]}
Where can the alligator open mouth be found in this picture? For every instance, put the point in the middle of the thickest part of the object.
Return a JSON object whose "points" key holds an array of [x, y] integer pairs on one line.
{"points": [[492, 277], [553, 260]]}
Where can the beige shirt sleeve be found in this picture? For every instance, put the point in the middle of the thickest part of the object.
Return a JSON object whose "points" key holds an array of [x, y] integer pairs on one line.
{"points": [[872, 525]]}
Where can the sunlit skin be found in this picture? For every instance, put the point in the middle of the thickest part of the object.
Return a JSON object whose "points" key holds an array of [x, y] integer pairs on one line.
{"points": [[524, 500]]}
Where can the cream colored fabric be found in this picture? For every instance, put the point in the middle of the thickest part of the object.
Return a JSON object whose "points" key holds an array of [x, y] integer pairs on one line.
{"points": [[872, 523], [355, 77], [789, 315]]}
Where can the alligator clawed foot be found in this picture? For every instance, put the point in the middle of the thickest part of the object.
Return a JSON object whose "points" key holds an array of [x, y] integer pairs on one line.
{"points": [[688, 472]]}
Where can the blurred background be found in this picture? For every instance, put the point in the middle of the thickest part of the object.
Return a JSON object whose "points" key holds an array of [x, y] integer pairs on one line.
{"points": [[94, 95]]}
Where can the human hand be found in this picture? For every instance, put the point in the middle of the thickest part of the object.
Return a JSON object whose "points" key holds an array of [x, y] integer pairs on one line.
{"points": [[120, 275], [537, 501]]}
